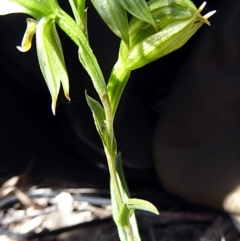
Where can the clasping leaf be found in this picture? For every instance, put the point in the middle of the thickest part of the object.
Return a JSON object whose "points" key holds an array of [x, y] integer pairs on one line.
{"points": [[128, 208]]}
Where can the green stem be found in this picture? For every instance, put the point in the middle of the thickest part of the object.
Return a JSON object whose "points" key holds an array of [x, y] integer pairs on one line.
{"points": [[109, 96], [70, 27], [76, 34], [110, 147], [130, 233], [109, 123], [111, 152], [113, 176]]}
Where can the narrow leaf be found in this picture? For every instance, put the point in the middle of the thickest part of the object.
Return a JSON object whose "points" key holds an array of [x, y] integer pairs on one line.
{"points": [[119, 169], [36, 9], [89, 62], [116, 84], [78, 8], [115, 212], [81, 9], [85, 54], [134, 203], [98, 115], [76, 14], [62, 67], [139, 9], [51, 59], [115, 16]]}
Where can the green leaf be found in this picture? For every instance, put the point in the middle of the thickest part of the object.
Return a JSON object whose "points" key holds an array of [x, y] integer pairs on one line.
{"points": [[164, 13], [119, 169], [127, 209], [134, 203], [115, 16], [116, 84], [51, 59], [124, 194], [78, 8], [125, 217], [81, 9], [115, 212], [160, 44], [131, 227], [98, 116], [85, 54], [139, 9], [89, 62], [36, 9], [130, 220], [177, 20]]}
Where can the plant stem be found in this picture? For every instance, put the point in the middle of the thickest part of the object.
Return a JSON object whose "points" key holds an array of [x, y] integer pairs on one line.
{"points": [[130, 233], [109, 97], [110, 147], [113, 176]]}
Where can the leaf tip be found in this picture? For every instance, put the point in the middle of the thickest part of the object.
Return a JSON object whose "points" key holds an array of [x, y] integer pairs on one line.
{"points": [[67, 95], [54, 107]]}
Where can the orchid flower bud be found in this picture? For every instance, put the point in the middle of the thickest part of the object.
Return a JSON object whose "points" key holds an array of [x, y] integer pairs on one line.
{"points": [[177, 21]]}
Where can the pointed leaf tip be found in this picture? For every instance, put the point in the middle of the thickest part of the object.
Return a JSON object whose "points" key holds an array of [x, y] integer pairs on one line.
{"points": [[134, 203], [53, 107], [67, 96], [139, 9], [51, 59]]}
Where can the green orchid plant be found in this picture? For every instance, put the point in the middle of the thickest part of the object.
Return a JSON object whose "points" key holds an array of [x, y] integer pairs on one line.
{"points": [[157, 28]]}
